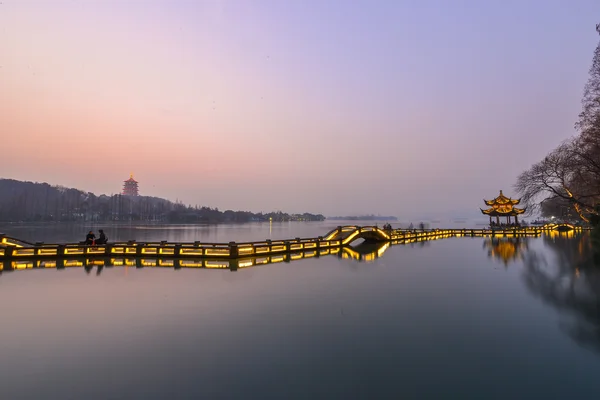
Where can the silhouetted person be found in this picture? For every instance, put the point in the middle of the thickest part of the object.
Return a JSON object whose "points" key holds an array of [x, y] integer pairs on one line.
{"points": [[90, 238], [102, 239]]}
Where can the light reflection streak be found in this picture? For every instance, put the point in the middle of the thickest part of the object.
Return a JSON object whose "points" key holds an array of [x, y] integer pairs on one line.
{"points": [[506, 247]]}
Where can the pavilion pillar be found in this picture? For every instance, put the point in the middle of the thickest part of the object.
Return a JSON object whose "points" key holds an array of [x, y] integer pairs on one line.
{"points": [[517, 219], [497, 220]]}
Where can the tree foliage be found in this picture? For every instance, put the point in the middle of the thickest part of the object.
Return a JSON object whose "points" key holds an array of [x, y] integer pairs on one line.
{"points": [[588, 118], [570, 173], [36, 202]]}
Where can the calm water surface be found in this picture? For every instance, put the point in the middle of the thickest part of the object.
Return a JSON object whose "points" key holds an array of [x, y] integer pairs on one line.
{"points": [[59, 233], [454, 318]]}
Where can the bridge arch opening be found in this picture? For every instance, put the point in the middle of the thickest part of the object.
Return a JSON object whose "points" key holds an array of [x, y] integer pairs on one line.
{"points": [[349, 234]]}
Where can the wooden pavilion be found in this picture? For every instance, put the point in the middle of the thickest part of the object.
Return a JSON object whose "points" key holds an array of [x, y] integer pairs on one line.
{"points": [[504, 207]]}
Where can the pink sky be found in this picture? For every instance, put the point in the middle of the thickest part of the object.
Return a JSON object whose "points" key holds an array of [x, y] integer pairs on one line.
{"points": [[403, 108]]}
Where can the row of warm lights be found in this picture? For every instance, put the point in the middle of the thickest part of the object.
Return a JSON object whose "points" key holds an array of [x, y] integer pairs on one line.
{"points": [[27, 264], [223, 252], [347, 253], [405, 235]]}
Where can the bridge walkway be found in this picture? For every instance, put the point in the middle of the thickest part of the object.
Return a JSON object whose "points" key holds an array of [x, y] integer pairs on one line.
{"points": [[12, 249]]}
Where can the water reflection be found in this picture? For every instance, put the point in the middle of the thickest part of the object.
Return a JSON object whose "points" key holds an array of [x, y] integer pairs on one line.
{"points": [[364, 252], [569, 281], [564, 273], [409, 315], [506, 249]]}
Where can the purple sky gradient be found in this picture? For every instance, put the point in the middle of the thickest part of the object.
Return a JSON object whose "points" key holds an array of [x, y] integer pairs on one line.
{"points": [[409, 108]]}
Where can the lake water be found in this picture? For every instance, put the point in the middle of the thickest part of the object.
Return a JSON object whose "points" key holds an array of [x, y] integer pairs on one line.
{"points": [[222, 233], [459, 318]]}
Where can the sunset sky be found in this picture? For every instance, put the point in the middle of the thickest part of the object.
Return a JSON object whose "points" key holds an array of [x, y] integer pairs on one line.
{"points": [[410, 108]]}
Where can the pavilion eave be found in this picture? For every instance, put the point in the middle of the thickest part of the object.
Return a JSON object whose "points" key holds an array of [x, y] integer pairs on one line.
{"points": [[513, 213]]}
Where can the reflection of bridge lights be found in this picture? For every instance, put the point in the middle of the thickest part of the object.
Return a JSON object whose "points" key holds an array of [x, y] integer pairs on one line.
{"points": [[216, 264], [73, 263], [47, 264], [383, 249], [190, 263], [220, 256], [148, 263], [353, 253], [122, 262], [566, 234], [350, 254], [23, 264], [369, 257]]}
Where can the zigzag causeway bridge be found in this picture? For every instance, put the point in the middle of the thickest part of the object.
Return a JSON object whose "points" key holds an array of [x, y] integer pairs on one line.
{"points": [[18, 254]]}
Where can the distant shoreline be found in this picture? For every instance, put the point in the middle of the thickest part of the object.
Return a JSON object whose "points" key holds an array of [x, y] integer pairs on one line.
{"points": [[362, 218], [142, 223]]}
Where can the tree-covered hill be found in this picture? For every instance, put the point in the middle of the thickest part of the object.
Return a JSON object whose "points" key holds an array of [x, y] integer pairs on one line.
{"points": [[32, 202]]}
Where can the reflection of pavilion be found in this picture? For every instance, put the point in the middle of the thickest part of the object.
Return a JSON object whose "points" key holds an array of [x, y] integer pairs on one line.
{"points": [[506, 249]]}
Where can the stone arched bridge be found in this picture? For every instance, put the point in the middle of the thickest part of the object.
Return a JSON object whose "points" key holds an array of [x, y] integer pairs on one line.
{"points": [[348, 234]]}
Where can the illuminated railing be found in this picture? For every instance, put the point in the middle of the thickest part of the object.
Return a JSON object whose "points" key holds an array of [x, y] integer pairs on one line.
{"points": [[343, 236], [223, 256], [177, 263]]}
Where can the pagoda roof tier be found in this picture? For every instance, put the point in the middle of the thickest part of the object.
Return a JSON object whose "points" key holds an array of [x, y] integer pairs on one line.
{"points": [[509, 211], [502, 200], [131, 179]]}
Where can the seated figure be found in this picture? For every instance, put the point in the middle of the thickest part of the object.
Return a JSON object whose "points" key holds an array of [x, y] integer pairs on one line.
{"points": [[102, 239], [90, 238]]}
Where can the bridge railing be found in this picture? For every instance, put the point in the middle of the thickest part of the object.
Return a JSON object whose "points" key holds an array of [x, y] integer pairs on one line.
{"points": [[185, 249], [14, 248], [177, 263]]}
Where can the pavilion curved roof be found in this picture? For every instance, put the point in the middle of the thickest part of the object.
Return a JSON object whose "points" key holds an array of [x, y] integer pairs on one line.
{"points": [[503, 211], [502, 200]]}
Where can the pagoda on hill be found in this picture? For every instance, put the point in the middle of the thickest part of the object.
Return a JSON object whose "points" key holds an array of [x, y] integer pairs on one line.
{"points": [[130, 187], [503, 206]]}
